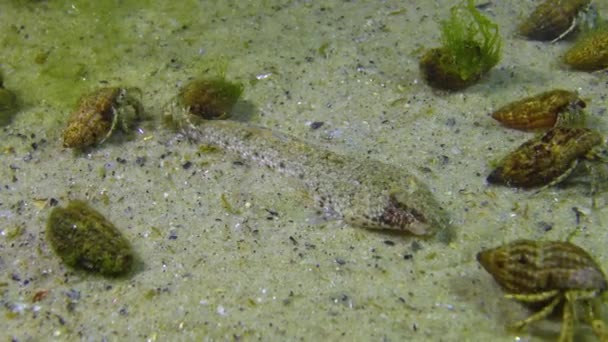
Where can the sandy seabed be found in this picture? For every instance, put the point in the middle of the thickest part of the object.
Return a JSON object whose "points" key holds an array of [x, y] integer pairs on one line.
{"points": [[231, 251]]}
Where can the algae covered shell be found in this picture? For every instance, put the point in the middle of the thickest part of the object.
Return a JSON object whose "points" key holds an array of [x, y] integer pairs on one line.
{"points": [[210, 98], [84, 239], [471, 46], [552, 19], [97, 115], [436, 66], [590, 52], [546, 159], [543, 110]]}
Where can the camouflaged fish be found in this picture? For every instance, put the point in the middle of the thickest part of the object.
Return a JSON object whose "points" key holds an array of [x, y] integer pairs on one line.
{"points": [[364, 193]]}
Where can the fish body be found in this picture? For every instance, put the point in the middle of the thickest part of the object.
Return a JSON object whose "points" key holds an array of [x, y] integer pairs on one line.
{"points": [[364, 193]]}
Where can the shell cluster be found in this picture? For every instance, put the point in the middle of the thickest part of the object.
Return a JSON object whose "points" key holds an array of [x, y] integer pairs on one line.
{"points": [[556, 19], [551, 276], [546, 159], [549, 158]]}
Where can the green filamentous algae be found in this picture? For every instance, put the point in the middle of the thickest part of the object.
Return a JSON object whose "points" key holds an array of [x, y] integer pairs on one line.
{"points": [[364, 193]]}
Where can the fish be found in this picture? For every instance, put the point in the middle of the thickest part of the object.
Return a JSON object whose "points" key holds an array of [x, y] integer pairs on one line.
{"points": [[363, 193]]}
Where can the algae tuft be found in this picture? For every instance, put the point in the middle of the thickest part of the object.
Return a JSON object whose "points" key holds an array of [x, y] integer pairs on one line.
{"points": [[471, 46]]}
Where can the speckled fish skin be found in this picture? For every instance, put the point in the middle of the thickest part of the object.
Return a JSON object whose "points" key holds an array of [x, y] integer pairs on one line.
{"points": [[365, 193], [543, 159], [528, 267]]}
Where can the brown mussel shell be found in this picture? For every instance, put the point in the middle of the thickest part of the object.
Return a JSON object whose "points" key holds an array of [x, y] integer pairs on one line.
{"points": [[551, 19], [544, 159], [539, 111]]}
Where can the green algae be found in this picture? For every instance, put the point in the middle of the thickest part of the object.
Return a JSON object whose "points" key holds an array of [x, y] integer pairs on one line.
{"points": [[84, 239], [14, 232], [471, 46], [66, 59], [210, 98], [467, 26]]}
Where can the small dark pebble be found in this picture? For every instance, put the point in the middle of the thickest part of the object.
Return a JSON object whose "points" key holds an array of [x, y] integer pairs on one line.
{"points": [[60, 319], [408, 256], [271, 212], [140, 161], [340, 261], [71, 306], [73, 294], [187, 165], [577, 213], [545, 226], [310, 245], [416, 246], [316, 124], [389, 243]]}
